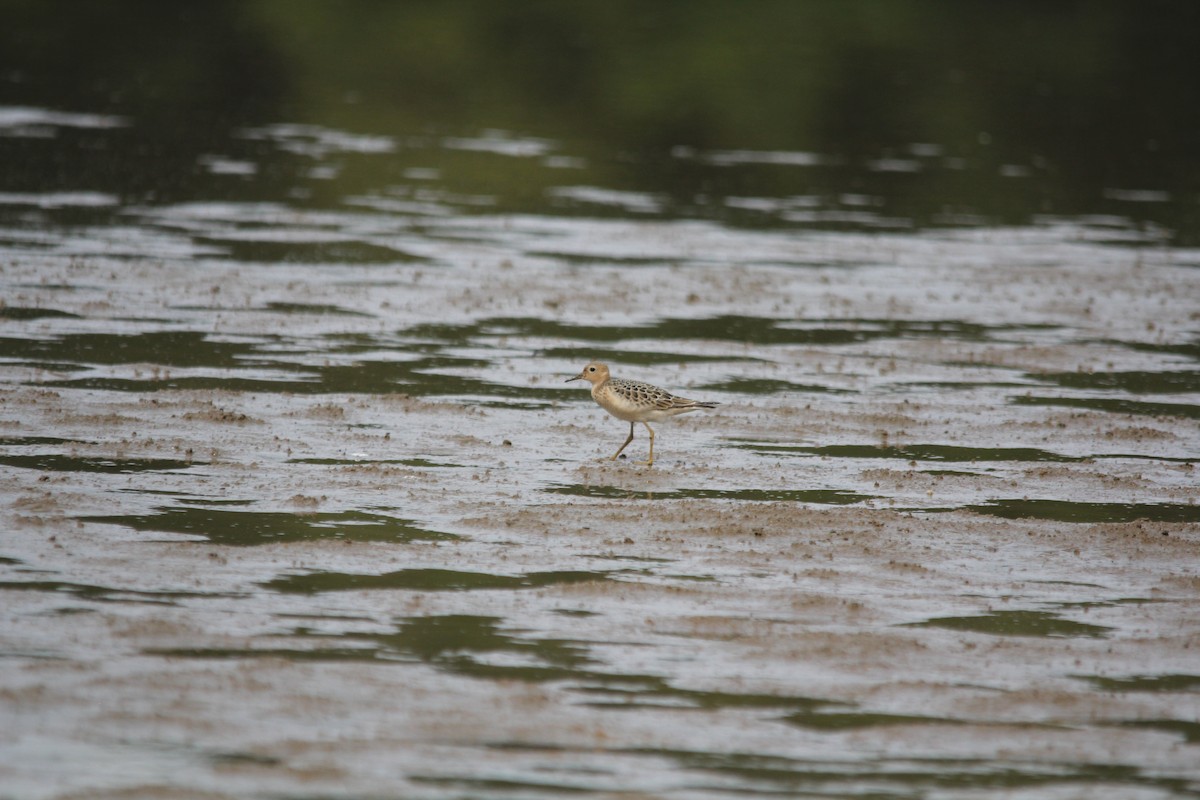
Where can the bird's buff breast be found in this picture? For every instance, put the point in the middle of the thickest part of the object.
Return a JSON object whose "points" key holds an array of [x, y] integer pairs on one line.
{"points": [[630, 411]]}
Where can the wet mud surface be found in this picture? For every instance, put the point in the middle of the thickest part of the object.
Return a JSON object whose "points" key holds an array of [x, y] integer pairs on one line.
{"points": [[309, 528]]}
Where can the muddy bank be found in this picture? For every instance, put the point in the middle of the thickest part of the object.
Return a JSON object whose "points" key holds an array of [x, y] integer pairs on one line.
{"points": [[317, 529]]}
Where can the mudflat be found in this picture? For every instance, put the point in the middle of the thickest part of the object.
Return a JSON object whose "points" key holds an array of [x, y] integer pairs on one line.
{"points": [[341, 530]]}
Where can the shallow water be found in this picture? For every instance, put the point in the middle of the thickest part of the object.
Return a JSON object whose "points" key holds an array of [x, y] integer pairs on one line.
{"points": [[298, 503]]}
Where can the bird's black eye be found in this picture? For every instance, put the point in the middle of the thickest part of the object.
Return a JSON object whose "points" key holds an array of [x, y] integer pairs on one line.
{"points": [[591, 369]]}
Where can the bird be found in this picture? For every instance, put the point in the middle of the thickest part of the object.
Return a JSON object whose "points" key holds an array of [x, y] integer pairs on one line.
{"points": [[635, 402]]}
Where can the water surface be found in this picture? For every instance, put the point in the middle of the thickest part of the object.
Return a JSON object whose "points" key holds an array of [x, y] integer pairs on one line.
{"points": [[298, 502]]}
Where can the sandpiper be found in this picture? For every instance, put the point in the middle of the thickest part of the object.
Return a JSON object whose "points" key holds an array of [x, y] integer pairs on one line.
{"points": [[634, 402]]}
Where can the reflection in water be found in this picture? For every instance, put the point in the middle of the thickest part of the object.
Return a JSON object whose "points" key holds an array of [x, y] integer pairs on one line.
{"points": [[484, 647], [460, 644], [1115, 405], [1018, 623], [273, 362], [1146, 683], [914, 452], [827, 116], [428, 580], [104, 594], [60, 463], [1068, 511], [1188, 731], [249, 528], [891, 101], [817, 496], [904, 777]]}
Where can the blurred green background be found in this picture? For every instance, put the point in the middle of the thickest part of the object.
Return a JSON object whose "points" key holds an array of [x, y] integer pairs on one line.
{"points": [[927, 112]]}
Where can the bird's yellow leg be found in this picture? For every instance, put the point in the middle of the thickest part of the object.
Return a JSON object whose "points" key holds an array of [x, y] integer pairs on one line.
{"points": [[649, 462], [627, 441]]}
